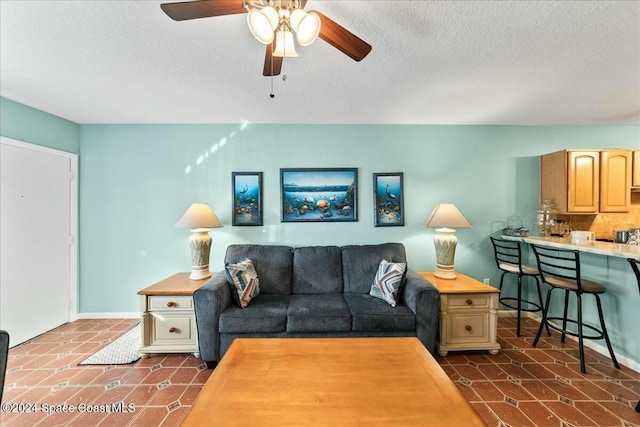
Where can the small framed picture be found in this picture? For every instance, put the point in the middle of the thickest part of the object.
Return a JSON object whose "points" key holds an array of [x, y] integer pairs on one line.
{"points": [[247, 198], [319, 195], [388, 193]]}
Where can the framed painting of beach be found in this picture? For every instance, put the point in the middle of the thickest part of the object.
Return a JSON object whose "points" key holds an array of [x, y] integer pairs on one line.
{"points": [[247, 198], [388, 193], [319, 195]]}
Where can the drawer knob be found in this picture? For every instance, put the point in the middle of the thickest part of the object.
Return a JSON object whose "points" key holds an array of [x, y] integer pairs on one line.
{"points": [[469, 302], [173, 330], [171, 304], [468, 328]]}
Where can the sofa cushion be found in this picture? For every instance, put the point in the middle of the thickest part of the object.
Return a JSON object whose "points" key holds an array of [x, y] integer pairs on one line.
{"points": [[273, 264], [317, 270], [267, 313], [243, 281], [371, 314], [388, 282], [360, 264], [318, 313]]}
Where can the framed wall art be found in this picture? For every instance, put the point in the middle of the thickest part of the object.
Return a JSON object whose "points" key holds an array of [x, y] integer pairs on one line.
{"points": [[247, 198], [319, 195], [388, 193]]}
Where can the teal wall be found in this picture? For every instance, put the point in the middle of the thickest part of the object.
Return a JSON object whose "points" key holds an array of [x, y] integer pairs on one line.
{"points": [[18, 121], [136, 181]]}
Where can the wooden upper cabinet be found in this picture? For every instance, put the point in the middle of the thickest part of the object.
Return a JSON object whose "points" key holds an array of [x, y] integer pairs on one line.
{"points": [[635, 181], [572, 179], [587, 181], [583, 169], [615, 180]]}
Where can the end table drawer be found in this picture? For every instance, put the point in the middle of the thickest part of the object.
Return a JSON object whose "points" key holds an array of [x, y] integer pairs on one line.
{"points": [[173, 330], [170, 302], [469, 301], [468, 328]]}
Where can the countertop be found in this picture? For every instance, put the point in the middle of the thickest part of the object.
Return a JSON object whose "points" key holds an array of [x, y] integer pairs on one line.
{"points": [[599, 248]]}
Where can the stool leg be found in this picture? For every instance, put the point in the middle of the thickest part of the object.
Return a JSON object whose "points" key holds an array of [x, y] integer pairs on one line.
{"points": [[604, 332], [519, 303], [638, 406], [540, 299], [583, 369], [543, 322], [564, 317]]}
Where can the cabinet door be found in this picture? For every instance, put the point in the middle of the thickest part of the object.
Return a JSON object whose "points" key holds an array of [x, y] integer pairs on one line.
{"points": [[615, 181], [636, 169], [583, 181]]}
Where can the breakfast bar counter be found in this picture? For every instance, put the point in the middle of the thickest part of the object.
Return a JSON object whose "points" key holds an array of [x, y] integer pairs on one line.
{"points": [[599, 248]]}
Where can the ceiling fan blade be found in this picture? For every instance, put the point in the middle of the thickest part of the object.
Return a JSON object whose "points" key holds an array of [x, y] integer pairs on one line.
{"points": [[202, 9], [277, 62], [342, 39]]}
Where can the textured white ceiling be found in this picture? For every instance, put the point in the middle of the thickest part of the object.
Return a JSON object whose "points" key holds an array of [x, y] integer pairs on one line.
{"points": [[433, 62]]}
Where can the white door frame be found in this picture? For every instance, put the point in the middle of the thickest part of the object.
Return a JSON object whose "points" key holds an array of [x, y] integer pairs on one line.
{"points": [[73, 216]]}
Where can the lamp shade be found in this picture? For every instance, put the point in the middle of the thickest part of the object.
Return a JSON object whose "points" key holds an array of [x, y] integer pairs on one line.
{"points": [[306, 26], [285, 45], [262, 23], [447, 215], [199, 215]]}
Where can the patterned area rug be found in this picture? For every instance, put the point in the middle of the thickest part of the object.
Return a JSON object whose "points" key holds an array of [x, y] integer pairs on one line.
{"points": [[122, 351]]}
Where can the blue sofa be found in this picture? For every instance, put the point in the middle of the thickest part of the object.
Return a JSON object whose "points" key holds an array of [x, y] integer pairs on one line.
{"points": [[314, 291]]}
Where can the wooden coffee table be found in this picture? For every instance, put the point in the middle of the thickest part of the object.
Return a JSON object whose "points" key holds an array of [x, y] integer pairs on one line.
{"points": [[330, 382]]}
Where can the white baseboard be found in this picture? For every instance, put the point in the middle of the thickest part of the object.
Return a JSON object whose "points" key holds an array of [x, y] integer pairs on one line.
{"points": [[134, 315], [602, 349]]}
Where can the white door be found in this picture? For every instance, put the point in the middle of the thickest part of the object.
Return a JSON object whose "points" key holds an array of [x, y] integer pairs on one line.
{"points": [[37, 250]]}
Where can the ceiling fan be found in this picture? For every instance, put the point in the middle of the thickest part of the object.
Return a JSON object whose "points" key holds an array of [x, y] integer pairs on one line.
{"points": [[273, 22]]}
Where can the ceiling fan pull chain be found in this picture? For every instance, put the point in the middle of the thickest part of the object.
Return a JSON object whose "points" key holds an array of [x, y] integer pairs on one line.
{"points": [[272, 95]]}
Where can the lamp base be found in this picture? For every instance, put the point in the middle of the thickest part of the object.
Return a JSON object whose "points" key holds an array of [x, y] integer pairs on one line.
{"points": [[200, 274], [445, 241], [443, 273], [200, 245]]}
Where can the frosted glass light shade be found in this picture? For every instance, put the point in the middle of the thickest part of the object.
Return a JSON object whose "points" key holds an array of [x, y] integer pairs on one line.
{"points": [[262, 23], [306, 26], [285, 45], [308, 29]]}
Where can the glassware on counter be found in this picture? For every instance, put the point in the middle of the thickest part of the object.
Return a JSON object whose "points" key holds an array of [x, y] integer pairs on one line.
{"points": [[547, 217]]}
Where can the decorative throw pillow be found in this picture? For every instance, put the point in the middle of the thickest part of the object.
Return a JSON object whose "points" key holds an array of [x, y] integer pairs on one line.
{"points": [[388, 281], [244, 282]]}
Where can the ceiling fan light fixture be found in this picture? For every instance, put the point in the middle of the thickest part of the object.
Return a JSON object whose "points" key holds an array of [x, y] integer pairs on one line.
{"points": [[262, 23], [285, 46], [308, 29]]}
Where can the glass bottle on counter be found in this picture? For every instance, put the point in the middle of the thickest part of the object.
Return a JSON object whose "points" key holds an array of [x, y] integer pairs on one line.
{"points": [[547, 217]]}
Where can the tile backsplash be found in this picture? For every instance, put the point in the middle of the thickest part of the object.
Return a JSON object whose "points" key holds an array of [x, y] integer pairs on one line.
{"points": [[606, 224]]}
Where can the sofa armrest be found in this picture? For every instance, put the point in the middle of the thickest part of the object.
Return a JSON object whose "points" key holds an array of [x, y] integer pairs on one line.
{"points": [[209, 301], [424, 300]]}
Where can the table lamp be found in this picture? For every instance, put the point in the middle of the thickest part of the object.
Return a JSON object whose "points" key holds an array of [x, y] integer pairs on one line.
{"points": [[199, 218], [445, 217]]}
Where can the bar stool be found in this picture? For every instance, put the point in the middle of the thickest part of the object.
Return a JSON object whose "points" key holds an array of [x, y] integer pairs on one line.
{"points": [[509, 260], [560, 269], [634, 266]]}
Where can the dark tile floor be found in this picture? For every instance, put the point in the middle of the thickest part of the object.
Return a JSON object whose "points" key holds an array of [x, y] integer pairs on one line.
{"points": [[520, 386]]}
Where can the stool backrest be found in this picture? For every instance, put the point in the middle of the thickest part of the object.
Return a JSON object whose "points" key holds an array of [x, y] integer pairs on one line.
{"points": [[507, 252], [634, 266], [558, 266]]}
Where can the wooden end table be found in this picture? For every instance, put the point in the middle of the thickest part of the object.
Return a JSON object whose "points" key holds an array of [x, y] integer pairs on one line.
{"points": [[167, 316], [468, 314]]}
